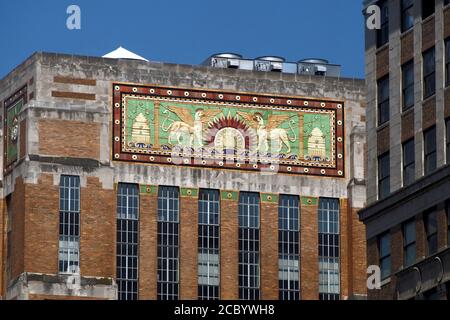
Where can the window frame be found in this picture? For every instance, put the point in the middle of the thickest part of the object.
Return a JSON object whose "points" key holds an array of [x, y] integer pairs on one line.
{"points": [[404, 10], [408, 165], [431, 237], [429, 155], [385, 257], [408, 244], [383, 102], [447, 60], [429, 75], [447, 142], [387, 178], [382, 34], [407, 88], [425, 14]]}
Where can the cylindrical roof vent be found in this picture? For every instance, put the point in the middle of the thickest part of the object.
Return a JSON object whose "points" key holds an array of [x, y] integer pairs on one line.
{"points": [[227, 55], [271, 58], [314, 60]]}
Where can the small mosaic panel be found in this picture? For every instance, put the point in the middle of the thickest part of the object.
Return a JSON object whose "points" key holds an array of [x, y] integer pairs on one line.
{"points": [[228, 130], [12, 106]]}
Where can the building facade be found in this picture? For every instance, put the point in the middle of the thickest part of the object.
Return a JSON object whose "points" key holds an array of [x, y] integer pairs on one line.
{"points": [[408, 129], [128, 179]]}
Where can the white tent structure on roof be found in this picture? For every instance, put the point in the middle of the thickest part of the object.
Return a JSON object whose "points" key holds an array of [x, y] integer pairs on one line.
{"points": [[122, 53]]}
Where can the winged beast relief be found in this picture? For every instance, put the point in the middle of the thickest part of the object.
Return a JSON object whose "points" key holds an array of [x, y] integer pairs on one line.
{"points": [[188, 131], [268, 131]]}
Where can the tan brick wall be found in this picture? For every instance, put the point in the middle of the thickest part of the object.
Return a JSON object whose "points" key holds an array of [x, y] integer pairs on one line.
{"points": [[97, 230], [269, 251], [358, 259], [188, 248], [42, 226], [407, 44], [429, 113], [420, 238], [148, 228], [84, 142], [396, 249], [383, 140], [442, 226], [18, 228], [428, 34], [229, 248], [408, 125], [383, 62], [345, 249], [309, 259]]}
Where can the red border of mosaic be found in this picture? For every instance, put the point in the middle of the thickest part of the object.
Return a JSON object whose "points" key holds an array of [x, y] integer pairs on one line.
{"points": [[232, 97]]}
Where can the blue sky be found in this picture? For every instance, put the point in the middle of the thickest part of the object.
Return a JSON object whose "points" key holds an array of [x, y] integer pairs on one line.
{"points": [[187, 31]]}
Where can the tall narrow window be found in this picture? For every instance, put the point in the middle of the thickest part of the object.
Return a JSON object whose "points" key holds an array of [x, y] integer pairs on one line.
{"points": [[447, 125], [408, 162], [447, 208], [383, 32], [288, 248], [69, 224], [408, 85], [427, 8], [429, 73], [168, 243], [208, 245], [384, 253], [409, 243], [447, 61], [407, 14], [384, 173], [383, 100], [431, 231], [248, 246], [329, 273], [430, 150], [9, 240], [127, 241]]}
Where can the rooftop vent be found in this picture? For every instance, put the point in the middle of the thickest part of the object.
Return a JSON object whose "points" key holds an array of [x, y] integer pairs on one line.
{"points": [[122, 53], [226, 60], [318, 67], [269, 63]]}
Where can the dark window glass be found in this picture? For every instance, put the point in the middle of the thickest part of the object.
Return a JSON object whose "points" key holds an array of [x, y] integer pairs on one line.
{"points": [[329, 271], [248, 246], [427, 8], [429, 73], [383, 100], [127, 241], [447, 61], [384, 247], [383, 32], [408, 162], [383, 176], [409, 243], [446, 2], [208, 245], [448, 222], [407, 14], [430, 150], [168, 243], [408, 85], [431, 231], [289, 247]]}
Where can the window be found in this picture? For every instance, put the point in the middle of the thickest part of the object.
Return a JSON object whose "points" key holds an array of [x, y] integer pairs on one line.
{"points": [[384, 248], [383, 100], [383, 176], [447, 61], [408, 85], [409, 243], [329, 285], [431, 231], [407, 14], [447, 124], [429, 73], [248, 246], [383, 32], [69, 224], [127, 241], [288, 248], [408, 162], [208, 245], [447, 208], [430, 150], [427, 8], [446, 2], [168, 243]]}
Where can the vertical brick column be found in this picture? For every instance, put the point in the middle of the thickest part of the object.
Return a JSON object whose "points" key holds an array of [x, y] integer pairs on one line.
{"points": [[97, 230], [396, 255], [229, 245], [442, 226], [148, 228], [309, 250], [358, 260], [188, 244], [42, 226], [421, 245], [269, 246], [345, 244], [2, 244]]}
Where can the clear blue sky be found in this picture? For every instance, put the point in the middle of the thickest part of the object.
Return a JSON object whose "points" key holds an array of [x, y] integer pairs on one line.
{"points": [[187, 31]]}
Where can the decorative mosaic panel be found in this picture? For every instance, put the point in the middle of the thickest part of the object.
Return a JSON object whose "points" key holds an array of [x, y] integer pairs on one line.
{"points": [[229, 130], [13, 105]]}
